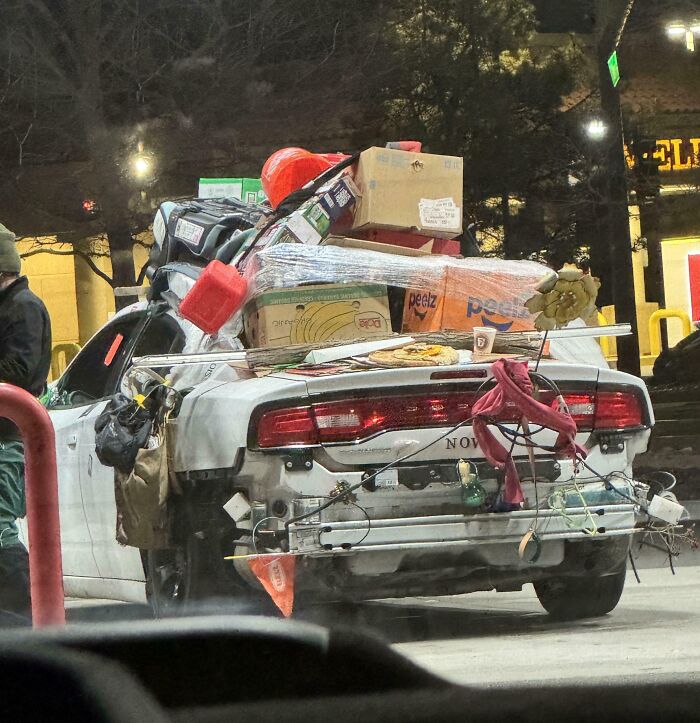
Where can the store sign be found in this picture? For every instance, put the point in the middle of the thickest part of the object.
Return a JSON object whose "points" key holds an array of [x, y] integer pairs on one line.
{"points": [[673, 154]]}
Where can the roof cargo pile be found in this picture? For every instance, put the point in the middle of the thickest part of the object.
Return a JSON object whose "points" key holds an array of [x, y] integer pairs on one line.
{"points": [[347, 248]]}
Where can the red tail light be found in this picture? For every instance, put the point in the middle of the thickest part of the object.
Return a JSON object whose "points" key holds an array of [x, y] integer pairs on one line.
{"points": [[352, 420], [285, 427], [618, 410]]}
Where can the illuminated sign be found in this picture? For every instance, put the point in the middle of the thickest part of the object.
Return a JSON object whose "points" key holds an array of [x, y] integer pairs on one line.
{"points": [[614, 69], [673, 154]]}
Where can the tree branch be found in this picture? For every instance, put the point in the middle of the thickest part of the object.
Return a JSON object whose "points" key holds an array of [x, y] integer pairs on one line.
{"points": [[72, 252]]}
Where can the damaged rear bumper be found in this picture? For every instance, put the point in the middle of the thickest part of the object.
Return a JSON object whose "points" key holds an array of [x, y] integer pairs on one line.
{"points": [[440, 531]]}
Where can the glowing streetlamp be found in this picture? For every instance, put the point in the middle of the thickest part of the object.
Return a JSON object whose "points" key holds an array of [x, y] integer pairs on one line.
{"points": [[682, 32], [141, 165], [596, 129]]}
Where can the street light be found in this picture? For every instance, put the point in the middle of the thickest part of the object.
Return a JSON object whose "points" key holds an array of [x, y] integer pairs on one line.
{"points": [[596, 129], [141, 165], [682, 32]]}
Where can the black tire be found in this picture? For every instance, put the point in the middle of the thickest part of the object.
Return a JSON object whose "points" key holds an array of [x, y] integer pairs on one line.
{"points": [[572, 598], [194, 579], [178, 579]]}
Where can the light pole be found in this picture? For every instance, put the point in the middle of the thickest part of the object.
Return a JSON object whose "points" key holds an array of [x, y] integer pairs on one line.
{"points": [[613, 15]]}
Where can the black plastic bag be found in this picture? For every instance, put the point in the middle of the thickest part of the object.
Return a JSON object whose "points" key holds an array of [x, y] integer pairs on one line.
{"points": [[120, 432]]}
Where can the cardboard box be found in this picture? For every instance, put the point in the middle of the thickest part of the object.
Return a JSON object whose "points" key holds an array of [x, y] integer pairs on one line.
{"points": [[469, 297], [317, 313], [244, 189], [446, 246], [402, 191], [364, 245]]}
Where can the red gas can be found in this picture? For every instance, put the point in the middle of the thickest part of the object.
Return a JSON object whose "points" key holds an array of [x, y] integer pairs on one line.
{"points": [[216, 295]]}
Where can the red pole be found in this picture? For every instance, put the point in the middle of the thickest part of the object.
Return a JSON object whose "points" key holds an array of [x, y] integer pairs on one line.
{"points": [[41, 484]]}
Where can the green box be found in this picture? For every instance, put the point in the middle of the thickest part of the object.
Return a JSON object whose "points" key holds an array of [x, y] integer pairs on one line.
{"points": [[244, 189]]}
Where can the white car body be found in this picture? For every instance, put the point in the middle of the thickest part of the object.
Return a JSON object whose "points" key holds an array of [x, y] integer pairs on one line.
{"points": [[418, 535]]}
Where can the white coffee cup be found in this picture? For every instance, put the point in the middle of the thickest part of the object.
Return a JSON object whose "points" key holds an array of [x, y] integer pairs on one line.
{"points": [[484, 336]]}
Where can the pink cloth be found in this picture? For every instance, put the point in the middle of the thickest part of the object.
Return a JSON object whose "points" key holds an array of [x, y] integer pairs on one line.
{"points": [[513, 385]]}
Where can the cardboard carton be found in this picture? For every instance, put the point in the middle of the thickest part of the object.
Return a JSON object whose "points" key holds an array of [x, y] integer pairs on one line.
{"points": [[468, 297], [317, 313], [364, 245], [402, 191], [244, 189]]}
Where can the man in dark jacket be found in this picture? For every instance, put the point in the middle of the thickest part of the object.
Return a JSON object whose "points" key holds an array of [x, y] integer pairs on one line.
{"points": [[25, 359]]}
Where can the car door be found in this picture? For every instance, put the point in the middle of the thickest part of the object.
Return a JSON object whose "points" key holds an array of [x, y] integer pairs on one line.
{"points": [[76, 545], [156, 335], [80, 390]]}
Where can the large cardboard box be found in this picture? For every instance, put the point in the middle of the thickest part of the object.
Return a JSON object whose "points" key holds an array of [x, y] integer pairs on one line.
{"points": [[317, 313], [470, 296], [400, 191]]}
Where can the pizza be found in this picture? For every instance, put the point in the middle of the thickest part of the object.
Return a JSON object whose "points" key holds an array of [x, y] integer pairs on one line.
{"points": [[416, 355]]}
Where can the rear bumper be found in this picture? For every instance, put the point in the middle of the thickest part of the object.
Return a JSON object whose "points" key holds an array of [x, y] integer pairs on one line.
{"points": [[328, 539]]}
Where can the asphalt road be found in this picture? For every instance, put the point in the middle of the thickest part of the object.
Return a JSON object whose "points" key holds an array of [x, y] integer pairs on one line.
{"points": [[489, 639]]}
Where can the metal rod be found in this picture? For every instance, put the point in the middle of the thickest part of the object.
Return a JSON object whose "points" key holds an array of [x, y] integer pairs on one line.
{"points": [[545, 537], [496, 517]]}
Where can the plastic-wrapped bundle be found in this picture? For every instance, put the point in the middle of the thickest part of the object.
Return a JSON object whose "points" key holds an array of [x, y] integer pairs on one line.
{"points": [[442, 292], [291, 265]]}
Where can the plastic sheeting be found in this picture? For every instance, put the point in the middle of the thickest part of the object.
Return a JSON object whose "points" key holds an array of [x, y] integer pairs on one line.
{"points": [[199, 342], [292, 265], [578, 350]]}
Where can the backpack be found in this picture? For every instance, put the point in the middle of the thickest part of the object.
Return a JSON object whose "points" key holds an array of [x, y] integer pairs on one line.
{"points": [[195, 230], [121, 431]]}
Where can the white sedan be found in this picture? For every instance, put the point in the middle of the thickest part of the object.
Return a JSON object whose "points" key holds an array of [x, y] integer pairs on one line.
{"points": [[285, 445]]}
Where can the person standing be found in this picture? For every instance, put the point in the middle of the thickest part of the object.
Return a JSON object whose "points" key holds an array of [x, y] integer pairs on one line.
{"points": [[25, 360]]}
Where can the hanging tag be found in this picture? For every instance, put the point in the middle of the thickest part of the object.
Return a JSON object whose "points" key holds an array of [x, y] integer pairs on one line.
{"points": [[276, 575]]}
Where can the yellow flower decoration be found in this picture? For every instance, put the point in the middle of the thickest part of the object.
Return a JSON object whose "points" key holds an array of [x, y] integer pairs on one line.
{"points": [[562, 297]]}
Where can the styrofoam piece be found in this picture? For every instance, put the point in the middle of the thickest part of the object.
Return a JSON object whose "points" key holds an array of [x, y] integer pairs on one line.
{"points": [[237, 507], [665, 509]]}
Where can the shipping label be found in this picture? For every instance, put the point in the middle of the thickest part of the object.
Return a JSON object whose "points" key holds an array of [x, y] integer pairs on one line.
{"points": [[440, 213], [189, 232]]}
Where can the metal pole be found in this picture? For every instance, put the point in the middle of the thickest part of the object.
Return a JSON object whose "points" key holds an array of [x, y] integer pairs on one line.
{"points": [[41, 484], [613, 15]]}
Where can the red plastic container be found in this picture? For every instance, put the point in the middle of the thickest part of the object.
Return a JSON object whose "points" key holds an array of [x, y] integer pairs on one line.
{"points": [[216, 295], [289, 169]]}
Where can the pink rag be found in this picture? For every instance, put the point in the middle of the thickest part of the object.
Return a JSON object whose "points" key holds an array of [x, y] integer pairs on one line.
{"points": [[513, 385]]}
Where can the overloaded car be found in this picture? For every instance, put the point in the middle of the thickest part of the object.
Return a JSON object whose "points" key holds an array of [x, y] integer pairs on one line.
{"points": [[374, 478]]}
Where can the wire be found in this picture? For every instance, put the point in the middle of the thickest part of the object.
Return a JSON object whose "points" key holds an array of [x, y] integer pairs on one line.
{"points": [[369, 478], [349, 490], [255, 529], [347, 545], [610, 485], [651, 478], [634, 566]]}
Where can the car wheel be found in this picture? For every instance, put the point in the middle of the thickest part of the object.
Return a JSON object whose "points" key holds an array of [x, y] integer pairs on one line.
{"points": [[571, 598], [172, 584], [193, 578]]}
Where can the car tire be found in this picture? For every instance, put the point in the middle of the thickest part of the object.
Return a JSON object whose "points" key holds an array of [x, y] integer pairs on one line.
{"points": [[191, 579], [572, 598], [176, 579]]}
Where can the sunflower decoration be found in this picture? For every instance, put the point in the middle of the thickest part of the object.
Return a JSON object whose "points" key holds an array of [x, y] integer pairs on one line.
{"points": [[563, 296]]}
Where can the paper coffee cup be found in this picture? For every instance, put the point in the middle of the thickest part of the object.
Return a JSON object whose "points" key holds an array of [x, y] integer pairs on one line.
{"points": [[484, 336]]}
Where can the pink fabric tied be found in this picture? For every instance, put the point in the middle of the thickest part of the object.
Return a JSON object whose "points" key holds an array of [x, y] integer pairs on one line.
{"points": [[513, 385]]}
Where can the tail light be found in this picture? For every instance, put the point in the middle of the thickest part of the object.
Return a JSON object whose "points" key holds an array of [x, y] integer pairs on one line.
{"points": [[352, 420], [618, 410]]}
